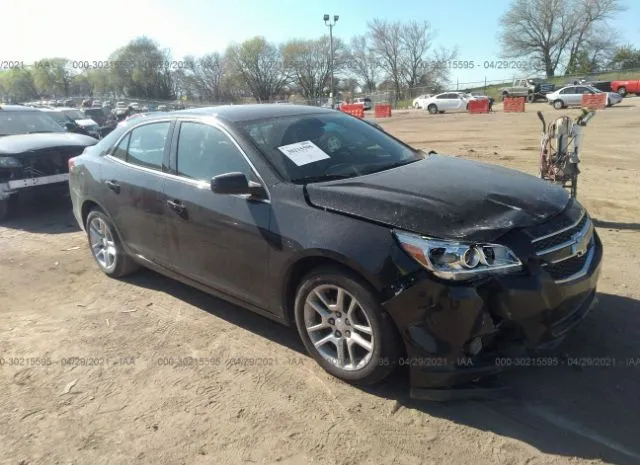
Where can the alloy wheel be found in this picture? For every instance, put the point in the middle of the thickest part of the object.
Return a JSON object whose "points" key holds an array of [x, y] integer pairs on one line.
{"points": [[103, 246], [339, 327]]}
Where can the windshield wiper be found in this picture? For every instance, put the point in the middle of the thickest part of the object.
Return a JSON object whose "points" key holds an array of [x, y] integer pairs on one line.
{"points": [[39, 132], [323, 177], [392, 165]]}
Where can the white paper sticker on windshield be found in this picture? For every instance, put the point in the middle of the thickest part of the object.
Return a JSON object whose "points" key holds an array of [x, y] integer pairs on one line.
{"points": [[303, 153]]}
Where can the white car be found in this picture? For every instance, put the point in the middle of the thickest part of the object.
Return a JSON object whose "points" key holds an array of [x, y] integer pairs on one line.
{"points": [[572, 95], [448, 101], [418, 102]]}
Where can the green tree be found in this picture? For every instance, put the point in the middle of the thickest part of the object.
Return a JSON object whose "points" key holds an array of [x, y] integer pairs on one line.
{"points": [[142, 70], [258, 65], [53, 76], [17, 85]]}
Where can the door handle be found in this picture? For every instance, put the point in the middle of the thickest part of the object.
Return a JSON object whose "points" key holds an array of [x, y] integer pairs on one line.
{"points": [[114, 186], [176, 205]]}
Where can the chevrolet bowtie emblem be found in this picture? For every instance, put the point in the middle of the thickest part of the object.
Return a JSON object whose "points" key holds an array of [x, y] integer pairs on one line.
{"points": [[579, 247]]}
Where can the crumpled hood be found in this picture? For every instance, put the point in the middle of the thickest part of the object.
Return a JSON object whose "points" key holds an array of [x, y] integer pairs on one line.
{"points": [[445, 197], [86, 122], [22, 143]]}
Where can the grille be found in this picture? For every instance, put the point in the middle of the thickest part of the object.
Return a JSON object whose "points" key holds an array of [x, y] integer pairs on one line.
{"points": [[48, 162], [566, 268], [561, 237]]}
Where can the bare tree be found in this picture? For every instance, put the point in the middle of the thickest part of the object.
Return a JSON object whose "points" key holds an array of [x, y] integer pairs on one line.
{"points": [[308, 64], [258, 63], [361, 61], [201, 77], [417, 38], [387, 44], [551, 31]]}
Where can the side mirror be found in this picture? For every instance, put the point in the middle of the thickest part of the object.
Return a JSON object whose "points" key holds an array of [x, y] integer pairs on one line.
{"points": [[235, 184]]}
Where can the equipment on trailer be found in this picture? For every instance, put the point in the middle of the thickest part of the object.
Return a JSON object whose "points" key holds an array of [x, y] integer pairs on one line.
{"points": [[560, 149]]}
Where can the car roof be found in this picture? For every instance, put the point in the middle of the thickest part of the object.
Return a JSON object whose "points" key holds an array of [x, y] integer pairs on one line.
{"points": [[251, 112], [17, 108]]}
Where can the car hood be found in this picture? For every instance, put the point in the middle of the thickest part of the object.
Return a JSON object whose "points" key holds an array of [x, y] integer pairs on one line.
{"points": [[444, 197], [85, 123], [24, 143]]}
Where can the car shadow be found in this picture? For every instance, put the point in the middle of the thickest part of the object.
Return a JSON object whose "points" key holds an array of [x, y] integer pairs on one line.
{"points": [[578, 410], [586, 407], [616, 225], [220, 308], [50, 214]]}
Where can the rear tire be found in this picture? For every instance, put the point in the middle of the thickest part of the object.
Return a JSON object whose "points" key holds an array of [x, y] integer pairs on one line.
{"points": [[433, 109], [622, 91], [106, 247], [558, 104], [531, 98], [4, 209], [336, 312]]}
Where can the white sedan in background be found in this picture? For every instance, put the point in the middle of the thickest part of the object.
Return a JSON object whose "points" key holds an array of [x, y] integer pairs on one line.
{"points": [[448, 101], [572, 95], [418, 102]]}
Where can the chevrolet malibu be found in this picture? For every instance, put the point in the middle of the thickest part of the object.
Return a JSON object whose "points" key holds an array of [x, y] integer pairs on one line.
{"points": [[380, 255]]}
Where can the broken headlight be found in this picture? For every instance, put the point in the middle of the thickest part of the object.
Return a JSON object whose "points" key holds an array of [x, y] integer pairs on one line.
{"points": [[9, 162], [457, 260]]}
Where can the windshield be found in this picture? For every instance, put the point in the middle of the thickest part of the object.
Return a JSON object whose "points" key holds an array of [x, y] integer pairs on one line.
{"points": [[74, 114], [57, 116], [594, 90], [324, 146], [94, 112], [26, 122]]}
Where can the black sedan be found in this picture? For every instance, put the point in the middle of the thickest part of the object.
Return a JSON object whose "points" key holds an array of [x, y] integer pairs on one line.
{"points": [[34, 154], [380, 255]]}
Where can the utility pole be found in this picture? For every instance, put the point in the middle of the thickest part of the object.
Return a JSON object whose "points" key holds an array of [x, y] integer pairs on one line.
{"points": [[330, 25]]}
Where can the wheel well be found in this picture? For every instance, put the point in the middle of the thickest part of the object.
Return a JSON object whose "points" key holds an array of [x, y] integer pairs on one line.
{"points": [[87, 206], [302, 268]]}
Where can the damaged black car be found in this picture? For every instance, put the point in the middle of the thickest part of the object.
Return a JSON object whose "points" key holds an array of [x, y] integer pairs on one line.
{"points": [[34, 154], [379, 254]]}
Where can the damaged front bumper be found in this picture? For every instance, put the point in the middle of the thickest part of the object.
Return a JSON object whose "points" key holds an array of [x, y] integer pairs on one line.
{"points": [[456, 334]]}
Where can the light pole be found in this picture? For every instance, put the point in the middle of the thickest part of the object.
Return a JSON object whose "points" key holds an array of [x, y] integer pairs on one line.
{"points": [[328, 23]]}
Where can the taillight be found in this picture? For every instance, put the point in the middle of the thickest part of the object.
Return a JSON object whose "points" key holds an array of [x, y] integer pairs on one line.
{"points": [[72, 163]]}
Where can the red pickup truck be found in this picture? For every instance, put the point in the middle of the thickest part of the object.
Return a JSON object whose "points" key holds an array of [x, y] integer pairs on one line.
{"points": [[626, 87]]}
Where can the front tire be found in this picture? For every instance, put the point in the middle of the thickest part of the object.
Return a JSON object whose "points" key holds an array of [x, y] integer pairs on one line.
{"points": [[4, 209], [433, 109], [344, 328], [558, 104], [106, 247]]}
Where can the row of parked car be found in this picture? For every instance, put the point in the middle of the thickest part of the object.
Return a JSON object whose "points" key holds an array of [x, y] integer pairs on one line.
{"points": [[459, 101]]}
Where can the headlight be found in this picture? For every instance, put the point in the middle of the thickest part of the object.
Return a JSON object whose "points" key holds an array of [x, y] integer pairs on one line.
{"points": [[458, 260], [9, 162]]}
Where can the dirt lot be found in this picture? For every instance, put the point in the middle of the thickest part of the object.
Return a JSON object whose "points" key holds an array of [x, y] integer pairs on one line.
{"points": [[254, 397]]}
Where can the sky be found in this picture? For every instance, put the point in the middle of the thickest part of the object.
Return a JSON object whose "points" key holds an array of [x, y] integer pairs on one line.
{"points": [[30, 30]]}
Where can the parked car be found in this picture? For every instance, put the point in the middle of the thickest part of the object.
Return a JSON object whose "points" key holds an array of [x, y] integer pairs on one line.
{"points": [[377, 253], [572, 95], [121, 109], [365, 101], [105, 119], [418, 102], [34, 153], [65, 121], [532, 89], [626, 87], [89, 125], [447, 102]]}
